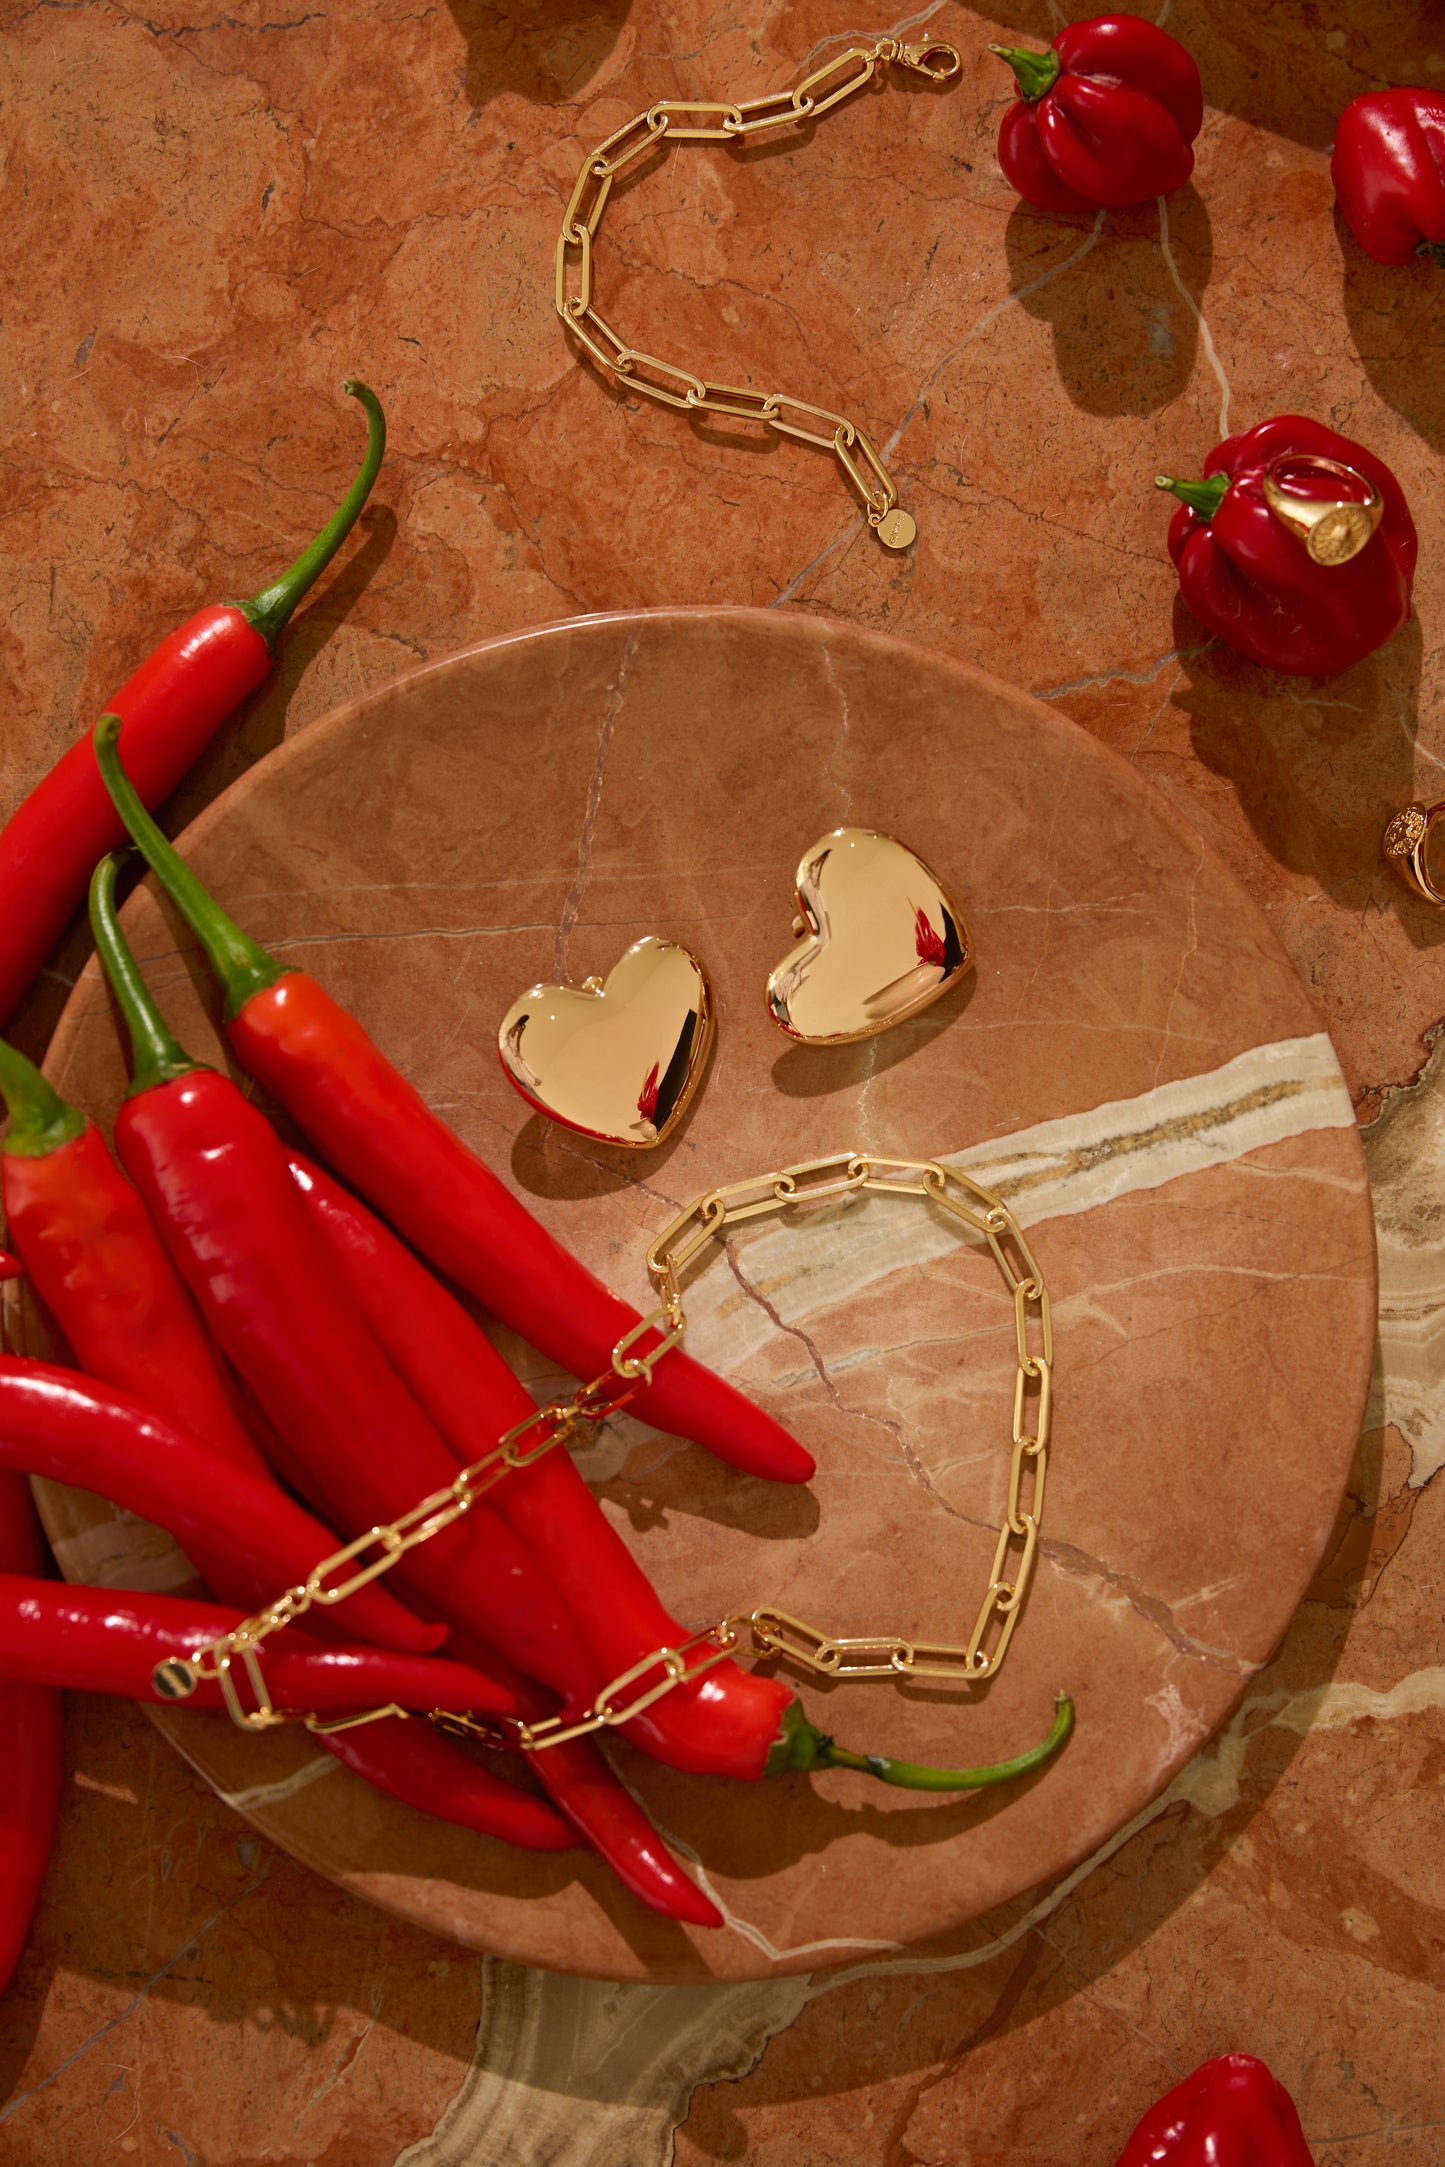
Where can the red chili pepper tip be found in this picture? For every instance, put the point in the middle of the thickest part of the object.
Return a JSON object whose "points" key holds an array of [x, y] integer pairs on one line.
{"points": [[10, 1266]]}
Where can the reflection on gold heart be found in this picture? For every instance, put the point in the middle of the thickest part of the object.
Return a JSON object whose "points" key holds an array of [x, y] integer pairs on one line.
{"points": [[883, 940], [618, 1060]]}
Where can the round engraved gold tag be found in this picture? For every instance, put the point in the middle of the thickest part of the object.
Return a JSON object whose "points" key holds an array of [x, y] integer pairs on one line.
{"points": [[174, 1679], [897, 529]]}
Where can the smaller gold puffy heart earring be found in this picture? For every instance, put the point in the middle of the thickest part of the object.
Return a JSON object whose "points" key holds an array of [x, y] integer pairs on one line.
{"points": [[616, 1058], [881, 940]]}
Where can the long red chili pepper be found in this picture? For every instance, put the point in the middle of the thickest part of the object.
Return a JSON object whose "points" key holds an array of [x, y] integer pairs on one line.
{"points": [[724, 1724], [55, 1422], [171, 708], [30, 1723], [101, 1269], [109, 1640], [728, 1721], [380, 1134], [584, 1788], [410, 1762], [214, 1179]]}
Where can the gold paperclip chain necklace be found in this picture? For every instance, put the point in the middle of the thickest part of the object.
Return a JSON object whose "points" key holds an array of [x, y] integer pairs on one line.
{"points": [[680, 121], [772, 1632]]}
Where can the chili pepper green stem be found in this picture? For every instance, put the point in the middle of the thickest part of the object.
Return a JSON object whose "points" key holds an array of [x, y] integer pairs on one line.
{"points": [[268, 611], [1037, 73], [1434, 249], [40, 1120], [156, 1056], [1203, 498], [241, 965], [800, 1745]]}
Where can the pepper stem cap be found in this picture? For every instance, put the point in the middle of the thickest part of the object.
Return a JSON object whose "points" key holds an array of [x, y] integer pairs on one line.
{"points": [[242, 966], [268, 611], [40, 1119], [1036, 73], [157, 1057], [1434, 249], [1203, 498], [800, 1745]]}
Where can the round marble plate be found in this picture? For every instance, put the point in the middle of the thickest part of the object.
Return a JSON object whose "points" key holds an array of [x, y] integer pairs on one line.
{"points": [[1134, 1064]]}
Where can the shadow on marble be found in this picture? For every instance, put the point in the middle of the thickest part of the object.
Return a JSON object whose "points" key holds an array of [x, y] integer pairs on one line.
{"points": [[1126, 338], [815, 1072], [547, 51], [1384, 305], [1317, 765]]}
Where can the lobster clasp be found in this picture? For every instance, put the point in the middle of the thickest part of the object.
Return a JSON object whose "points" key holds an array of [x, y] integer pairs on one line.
{"points": [[939, 62]]}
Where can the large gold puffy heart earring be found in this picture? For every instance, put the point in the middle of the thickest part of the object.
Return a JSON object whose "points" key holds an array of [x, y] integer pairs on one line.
{"points": [[616, 1058], [881, 940]]}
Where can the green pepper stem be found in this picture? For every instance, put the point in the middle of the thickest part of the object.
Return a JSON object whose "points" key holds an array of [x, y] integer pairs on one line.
{"points": [[241, 964], [800, 1745], [1434, 249], [1036, 73], [40, 1119], [1203, 498], [268, 611], [156, 1056]]}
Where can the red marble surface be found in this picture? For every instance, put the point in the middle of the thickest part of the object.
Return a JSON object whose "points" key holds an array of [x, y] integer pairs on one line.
{"points": [[211, 219]]}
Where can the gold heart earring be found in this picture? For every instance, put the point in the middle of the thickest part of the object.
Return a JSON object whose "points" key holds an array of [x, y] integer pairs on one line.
{"points": [[881, 940], [616, 1058]]}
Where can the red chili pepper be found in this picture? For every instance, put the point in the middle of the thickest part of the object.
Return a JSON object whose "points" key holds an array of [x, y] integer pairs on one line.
{"points": [[380, 1134], [726, 1723], [215, 1181], [10, 1266], [55, 1422], [730, 1722], [1252, 582], [1230, 2113], [1388, 167], [100, 1267], [1106, 116], [410, 1762], [30, 1723], [109, 1640], [172, 708], [584, 1788]]}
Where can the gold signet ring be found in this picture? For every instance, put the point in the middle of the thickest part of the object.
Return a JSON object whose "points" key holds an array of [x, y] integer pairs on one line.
{"points": [[1405, 843], [1333, 529]]}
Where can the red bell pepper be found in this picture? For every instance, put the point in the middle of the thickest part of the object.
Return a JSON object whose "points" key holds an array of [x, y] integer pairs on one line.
{"points": [[109, 1640], [1230, 2113], [1251, 581], [1388, 167], [30, 1723], [1105, 116], [171, 708], [380, 1134], [55, 1422]]}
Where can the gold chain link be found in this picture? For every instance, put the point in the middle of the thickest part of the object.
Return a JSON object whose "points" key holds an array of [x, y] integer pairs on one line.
{"points": [[771, 1632], [684, 121]]}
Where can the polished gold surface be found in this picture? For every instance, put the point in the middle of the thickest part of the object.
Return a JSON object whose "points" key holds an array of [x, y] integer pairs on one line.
{"points": [[882, 940], [618, 1060], [1333, 529], [1406, 846], [674, 120], [772, 1632]]}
